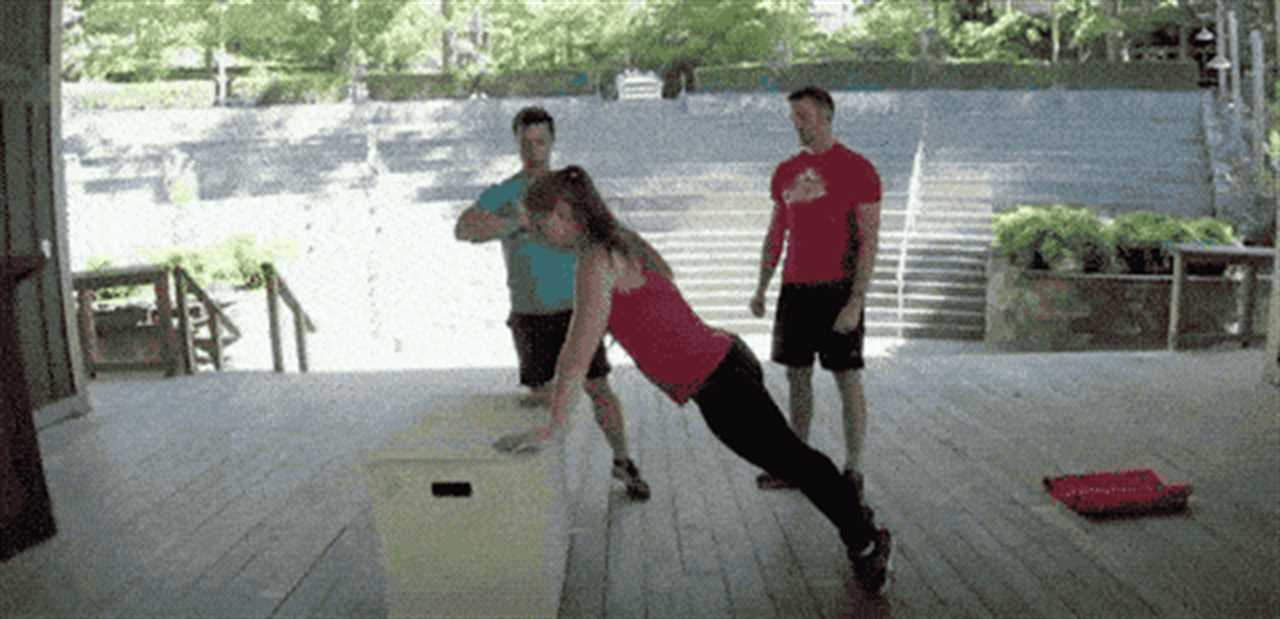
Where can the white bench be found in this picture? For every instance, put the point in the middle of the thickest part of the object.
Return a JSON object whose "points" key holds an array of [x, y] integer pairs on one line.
{"points": [[637, 86], [467, 531]]}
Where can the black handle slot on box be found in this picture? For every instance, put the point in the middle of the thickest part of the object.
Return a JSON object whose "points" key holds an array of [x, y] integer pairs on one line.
{"points": [[451, 488]]}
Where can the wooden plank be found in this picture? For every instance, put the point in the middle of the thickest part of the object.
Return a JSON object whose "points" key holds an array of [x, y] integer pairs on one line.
{"points": [[53, 344], [746, 584], [707, 592], [587, 571], [990, 520], [65, 346], [117, 276], [628, 533], [6, 152], [19, 213], [665, 582], [1109, 548]]}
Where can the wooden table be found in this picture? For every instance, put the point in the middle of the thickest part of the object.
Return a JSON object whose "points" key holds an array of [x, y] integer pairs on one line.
{"points": [[26, 514], [1193, 253]]}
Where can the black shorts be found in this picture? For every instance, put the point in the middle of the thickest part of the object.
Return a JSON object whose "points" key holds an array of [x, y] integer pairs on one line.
{"points": [[803, 324], [538, 340]]}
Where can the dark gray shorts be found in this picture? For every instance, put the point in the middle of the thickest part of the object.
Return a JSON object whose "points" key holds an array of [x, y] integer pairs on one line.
{"points": [[538, 339], [802, 327]]}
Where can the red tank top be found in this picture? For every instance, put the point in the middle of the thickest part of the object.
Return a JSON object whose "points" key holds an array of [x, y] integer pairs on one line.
{"points": [[670, 344]]}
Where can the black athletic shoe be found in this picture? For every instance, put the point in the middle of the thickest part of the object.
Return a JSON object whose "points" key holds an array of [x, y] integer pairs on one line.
{"points": [[873, 564], [629, 473]]}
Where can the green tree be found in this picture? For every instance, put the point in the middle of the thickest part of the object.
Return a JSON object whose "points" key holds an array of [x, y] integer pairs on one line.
{"points": [[889, 29], [707, 32], [134, 38]]}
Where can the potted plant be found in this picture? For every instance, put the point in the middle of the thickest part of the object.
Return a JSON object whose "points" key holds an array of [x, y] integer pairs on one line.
{"points": [[1056, 237]]}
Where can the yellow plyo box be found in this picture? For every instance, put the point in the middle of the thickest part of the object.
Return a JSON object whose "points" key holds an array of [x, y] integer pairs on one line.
{"points": [[467, 531]]}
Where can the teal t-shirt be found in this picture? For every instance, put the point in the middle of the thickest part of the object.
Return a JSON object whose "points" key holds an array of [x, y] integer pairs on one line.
{"points": [[539, 277]]}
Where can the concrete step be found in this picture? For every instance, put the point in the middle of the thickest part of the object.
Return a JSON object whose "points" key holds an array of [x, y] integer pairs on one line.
{"points": [[950, 319]]}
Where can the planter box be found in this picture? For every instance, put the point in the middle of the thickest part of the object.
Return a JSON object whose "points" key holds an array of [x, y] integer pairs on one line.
{"points": [[1052, 311]]}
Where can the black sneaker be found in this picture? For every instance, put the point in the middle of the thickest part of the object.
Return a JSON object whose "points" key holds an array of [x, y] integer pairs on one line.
{"points": [[766, 481], [874, 564], [629, 474]]}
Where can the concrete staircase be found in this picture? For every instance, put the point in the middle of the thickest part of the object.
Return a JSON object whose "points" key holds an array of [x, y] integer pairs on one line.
{"points": [[372, 192]]}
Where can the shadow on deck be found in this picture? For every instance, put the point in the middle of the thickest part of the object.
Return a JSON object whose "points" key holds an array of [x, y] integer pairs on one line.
{"points": [[240, 495]]}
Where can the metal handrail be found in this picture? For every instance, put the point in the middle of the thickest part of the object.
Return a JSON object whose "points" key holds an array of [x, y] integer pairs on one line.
{"points": [[278, 289], [915, 186]]}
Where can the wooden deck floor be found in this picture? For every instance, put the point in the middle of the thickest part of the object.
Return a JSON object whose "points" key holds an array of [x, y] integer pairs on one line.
{"points": [[239, 495]]}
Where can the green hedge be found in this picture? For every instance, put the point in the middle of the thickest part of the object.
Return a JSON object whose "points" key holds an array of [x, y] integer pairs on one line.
{"points": [[79, 96], [891, 75], [275, 89], [1074, 238], [408, 87], [539, 84], [434, 86]]}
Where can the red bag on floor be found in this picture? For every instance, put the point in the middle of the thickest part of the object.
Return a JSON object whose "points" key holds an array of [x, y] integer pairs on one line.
{"points": [[1105, 493]]}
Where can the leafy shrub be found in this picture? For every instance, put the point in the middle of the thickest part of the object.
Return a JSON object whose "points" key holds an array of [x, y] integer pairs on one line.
{"points": [[236, 262], [1211, 231], [113, 293], [1142, 238], [407, 87], [1058, 236]]}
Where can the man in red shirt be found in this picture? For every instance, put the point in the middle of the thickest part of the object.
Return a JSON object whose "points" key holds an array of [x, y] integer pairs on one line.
{"points": [[827, 214]]}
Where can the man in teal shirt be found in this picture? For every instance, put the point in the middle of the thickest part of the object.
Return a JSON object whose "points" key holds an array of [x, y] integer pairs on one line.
{"points": [[540, 281]]}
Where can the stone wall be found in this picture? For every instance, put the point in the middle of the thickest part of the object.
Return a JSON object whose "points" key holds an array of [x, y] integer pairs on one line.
{"points": [[1049, 311]]}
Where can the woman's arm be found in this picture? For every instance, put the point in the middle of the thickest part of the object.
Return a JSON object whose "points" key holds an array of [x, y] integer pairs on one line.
{"points": [[592, 300]]}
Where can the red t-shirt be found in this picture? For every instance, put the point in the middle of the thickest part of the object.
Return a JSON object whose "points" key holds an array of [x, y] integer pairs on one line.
{"points": [[815, 196], [672, 346]]}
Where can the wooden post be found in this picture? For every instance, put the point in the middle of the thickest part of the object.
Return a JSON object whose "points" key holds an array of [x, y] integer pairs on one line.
{"points": [[186, 348], [164, 307], [1219, 44], [1234, 24], [273, 317], [88, 331], [215, 334], [300, 338], [1250, 284], [1258, 102], [1175, 299]]}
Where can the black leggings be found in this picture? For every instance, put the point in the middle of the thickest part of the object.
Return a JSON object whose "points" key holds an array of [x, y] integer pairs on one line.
{"points": [[742, 414]]}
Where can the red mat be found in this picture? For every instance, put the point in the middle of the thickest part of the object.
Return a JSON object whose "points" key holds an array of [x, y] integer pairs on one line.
{"points": [[1107, 493]]}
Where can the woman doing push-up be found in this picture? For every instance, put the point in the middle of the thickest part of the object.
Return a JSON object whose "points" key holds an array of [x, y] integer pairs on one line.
{"points": [[623, 286]]}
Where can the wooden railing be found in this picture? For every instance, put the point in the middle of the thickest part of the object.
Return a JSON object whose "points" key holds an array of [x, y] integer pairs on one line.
{"points": [[216, 321], [277, 289], [176, 347]]}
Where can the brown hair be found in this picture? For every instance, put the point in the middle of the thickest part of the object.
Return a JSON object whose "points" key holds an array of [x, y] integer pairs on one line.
{"points": [[816, 95], [533, 115], [600, 227]]}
